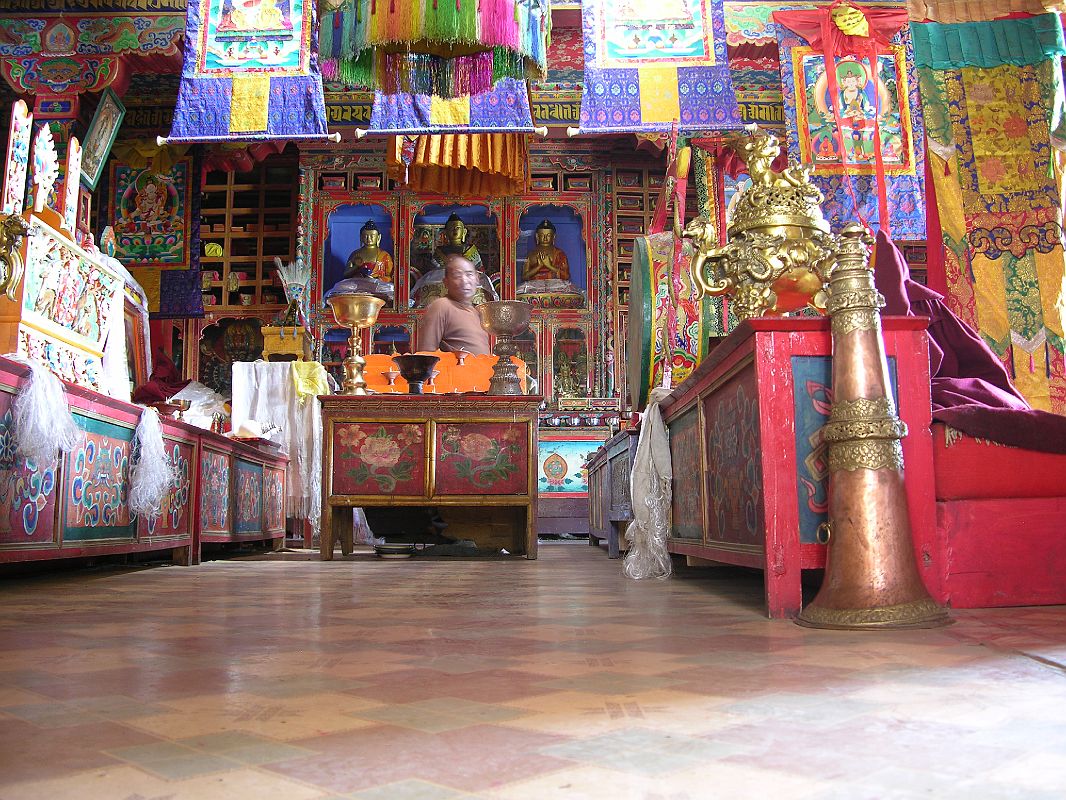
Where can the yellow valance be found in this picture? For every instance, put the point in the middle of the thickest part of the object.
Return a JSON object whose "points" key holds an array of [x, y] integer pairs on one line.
{"points": [[479, 164]]}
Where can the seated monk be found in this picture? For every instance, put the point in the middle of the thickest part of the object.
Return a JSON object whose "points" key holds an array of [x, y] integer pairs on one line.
{"points": [[451, 323]]}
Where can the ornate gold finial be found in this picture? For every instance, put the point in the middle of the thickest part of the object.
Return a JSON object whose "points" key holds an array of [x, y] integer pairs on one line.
{"points": [[779, 251], [12, 228]]}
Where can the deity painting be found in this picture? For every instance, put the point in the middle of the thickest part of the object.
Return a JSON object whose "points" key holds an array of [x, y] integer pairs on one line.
{"points": [[100, 136], [245, 34], [867, 112], [150, 214], [643, 31]]}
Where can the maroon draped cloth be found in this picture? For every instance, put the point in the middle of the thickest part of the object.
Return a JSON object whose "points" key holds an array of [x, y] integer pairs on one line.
{"points": [[970, 388], [164, 383]]}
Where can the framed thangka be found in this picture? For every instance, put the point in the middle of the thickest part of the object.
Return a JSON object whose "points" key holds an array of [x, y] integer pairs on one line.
{"points": [[869, 97], [100, 136], [151, 213], [868, 102]]}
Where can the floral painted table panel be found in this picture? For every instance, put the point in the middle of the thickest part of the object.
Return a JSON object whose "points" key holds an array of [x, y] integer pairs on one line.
{"points": [[482, 458], [174, 516], [249, 497], [27, 493], [214, 497], [379, 458]]}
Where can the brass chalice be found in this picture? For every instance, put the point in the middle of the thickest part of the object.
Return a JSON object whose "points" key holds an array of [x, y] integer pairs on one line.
{"points": [[355, 311], [506, 319]]}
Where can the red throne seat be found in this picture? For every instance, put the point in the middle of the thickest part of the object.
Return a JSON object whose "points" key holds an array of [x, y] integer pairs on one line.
{"points": [[1000, 524]]}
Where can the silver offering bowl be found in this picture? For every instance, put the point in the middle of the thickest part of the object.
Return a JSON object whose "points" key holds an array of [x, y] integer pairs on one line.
{"points": [[415, 368], [505, 319]]}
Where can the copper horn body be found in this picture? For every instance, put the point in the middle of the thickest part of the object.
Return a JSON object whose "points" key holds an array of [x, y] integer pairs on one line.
{"points": [[871, 578]]}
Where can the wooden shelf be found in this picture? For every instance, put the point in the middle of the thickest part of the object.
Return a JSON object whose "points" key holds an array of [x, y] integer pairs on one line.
{"points": [[244, 230]]}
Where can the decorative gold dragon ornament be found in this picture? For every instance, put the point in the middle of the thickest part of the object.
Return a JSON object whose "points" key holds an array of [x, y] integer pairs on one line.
{"points": [[779, 251], [12, 228]]}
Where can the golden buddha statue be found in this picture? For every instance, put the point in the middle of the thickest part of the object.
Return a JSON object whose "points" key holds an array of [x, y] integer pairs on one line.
{"points": [[545, 279], [455, 234], [431, 285], [370, 255], [545, 261]]}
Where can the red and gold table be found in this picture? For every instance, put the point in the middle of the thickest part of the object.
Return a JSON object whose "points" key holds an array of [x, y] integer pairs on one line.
{"points": [[472, 456]]}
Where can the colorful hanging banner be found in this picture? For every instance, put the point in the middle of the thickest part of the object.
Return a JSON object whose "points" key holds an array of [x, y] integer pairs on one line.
{"points": [[502, 109], [993, 93], [856, 124], [652, 63], [446, 49], [250, 73]]}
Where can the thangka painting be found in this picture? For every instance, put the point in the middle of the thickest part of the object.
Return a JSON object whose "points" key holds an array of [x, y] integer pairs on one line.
{"points": [[652, 63], [151, 214], [250, 71], [866, 100], [885, 97], [102, 133], [562, 457]]}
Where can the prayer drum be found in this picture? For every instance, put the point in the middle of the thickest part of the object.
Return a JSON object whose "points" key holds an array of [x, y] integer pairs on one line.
{"points": [[649, 347]]}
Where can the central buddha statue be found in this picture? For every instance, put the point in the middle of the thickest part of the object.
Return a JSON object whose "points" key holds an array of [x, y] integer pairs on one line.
{"points": [[431, 285], [370, 255]]}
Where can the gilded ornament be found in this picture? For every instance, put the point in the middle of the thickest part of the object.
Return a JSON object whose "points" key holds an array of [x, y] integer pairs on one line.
{"points": [[779, 251], [12, 228], [862, 319]]}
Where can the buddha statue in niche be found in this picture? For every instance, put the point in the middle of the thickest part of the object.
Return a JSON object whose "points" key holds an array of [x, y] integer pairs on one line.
{"points": [[370, 255], [545, 260], [431, 285], [547, 271]]}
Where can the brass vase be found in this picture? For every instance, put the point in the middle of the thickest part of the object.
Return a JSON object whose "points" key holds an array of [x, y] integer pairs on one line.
{"points": [[355, 311], [505, 319]]}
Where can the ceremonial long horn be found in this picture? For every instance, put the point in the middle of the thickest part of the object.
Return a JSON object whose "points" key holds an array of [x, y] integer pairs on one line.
{"points": [[871, 578]]}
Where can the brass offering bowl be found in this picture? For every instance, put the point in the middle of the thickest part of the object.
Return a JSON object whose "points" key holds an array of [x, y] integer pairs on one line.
{"points": [[356, 311], [415, 368], [505, 319]]}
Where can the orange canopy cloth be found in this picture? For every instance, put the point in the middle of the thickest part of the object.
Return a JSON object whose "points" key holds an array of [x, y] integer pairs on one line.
{"points": [[479, 164]]}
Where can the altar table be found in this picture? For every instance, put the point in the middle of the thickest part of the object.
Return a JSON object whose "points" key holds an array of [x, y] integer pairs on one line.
{"points": [[473, 456]]}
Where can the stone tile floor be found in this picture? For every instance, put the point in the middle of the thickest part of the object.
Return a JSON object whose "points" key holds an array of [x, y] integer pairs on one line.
{"points": [[284, 677]]}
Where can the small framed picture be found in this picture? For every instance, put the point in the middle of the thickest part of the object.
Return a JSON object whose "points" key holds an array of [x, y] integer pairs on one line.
{"points": [[544, 183], [578, 183], [101, 135], [335, 181]]}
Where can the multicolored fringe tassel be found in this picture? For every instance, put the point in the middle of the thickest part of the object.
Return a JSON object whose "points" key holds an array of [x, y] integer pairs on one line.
{"points": [[449, 48]]}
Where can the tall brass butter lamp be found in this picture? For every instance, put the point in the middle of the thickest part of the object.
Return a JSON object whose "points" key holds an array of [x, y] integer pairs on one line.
{"points": [[355, 311], [871, 579], [505, 319]]}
